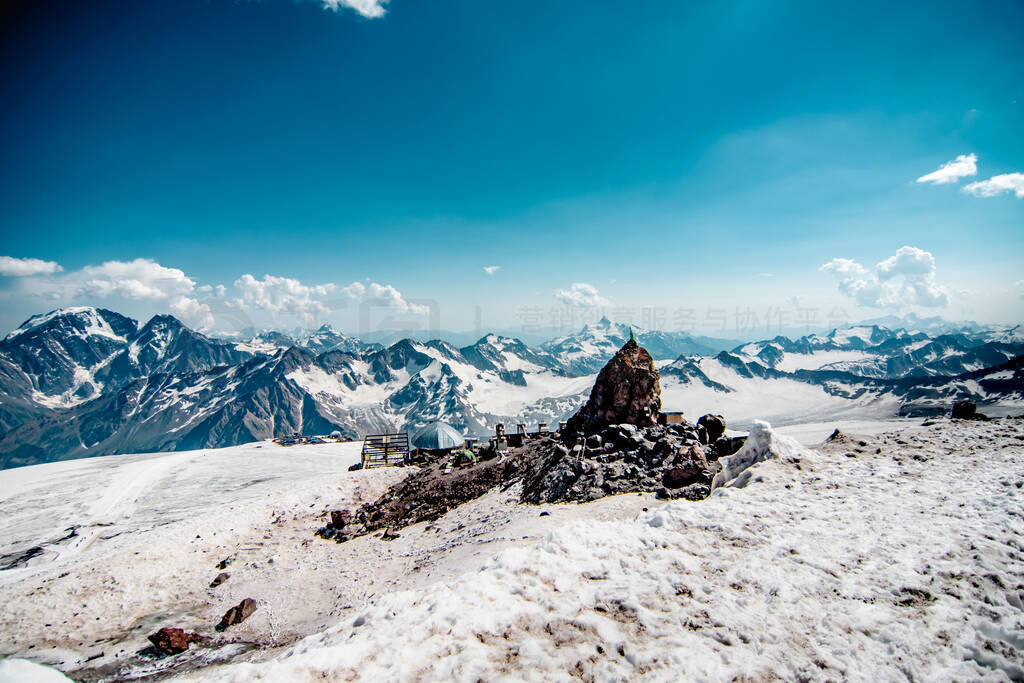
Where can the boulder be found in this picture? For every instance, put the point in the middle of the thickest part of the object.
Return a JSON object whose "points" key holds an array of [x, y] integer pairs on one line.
{"points": [[172, 641], [687, 467], [237, 614], [714, 427], [627, 391], [727, 445], [965, 410], [340, 518]]}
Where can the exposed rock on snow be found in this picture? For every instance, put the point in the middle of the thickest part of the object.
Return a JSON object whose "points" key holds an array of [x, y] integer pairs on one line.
{"points": [[967, 410], [238, 613], [627, 390], [172, 641]]}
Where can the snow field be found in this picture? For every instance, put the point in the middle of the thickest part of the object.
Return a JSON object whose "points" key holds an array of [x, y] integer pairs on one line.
{"points": [[844, 564]]}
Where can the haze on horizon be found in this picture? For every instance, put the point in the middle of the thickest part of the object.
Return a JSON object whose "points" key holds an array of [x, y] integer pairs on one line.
{"points": [[718, 168]]}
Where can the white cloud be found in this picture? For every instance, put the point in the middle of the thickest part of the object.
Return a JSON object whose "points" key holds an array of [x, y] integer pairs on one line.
{"points": [[952, 171], [384, 295], [22, 267], [909, 261], [843, 268], [491, 270], [905, 279], [581, 295], [356, 290], [138, 279], [285, 295], [192, 313], [998, 184], [371, 9]]}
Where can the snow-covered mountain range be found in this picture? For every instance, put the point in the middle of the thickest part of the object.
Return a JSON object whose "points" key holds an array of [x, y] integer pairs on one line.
{"points": [[85, 381]]}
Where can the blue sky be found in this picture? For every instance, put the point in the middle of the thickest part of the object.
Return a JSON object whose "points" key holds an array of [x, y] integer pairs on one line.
{"points": [[659, 162]]}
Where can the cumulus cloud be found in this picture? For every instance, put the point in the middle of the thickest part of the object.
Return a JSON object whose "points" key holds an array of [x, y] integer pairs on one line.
{"points": [[22, 267], [285, 295], [138, 279], [491, 270], [844, 268], [906, 278], [193, 313], [384, 295], [581, 295], [998, 184], [952, 171], [371, 9]]}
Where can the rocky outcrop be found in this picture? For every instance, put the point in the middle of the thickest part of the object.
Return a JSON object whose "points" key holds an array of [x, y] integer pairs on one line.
{"points": [[627, 391], [967, 410], [238, 614], [172, 641], [622, 459]]}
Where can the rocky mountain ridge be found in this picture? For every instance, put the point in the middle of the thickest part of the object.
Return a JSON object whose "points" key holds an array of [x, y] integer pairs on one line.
{"points": [[86, 381]]}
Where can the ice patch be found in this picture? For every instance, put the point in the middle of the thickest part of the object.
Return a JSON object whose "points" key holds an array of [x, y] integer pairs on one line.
{"points": [[24, 671]]}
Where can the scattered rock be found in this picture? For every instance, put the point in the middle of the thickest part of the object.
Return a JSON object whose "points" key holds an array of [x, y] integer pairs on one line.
{"points": [[223, 564], [219, 579], [237, 614], [172, 641], [389, 535]]}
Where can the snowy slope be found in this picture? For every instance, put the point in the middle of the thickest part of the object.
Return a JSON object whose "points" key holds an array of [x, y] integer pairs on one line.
{"points": [[875, 558], [815, 569]]}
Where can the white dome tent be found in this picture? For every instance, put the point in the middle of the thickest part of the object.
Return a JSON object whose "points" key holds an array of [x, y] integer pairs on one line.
{"points": [[437, 436]]}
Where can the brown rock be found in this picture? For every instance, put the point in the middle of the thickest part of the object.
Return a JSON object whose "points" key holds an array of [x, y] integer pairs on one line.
{"points": [[172, 641], [237, 614], [219, 579], [689, 466], [627, 391], [340, 518]]}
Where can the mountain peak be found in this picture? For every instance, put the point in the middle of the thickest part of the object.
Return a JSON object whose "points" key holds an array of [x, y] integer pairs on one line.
{"points": [[87, 320]]}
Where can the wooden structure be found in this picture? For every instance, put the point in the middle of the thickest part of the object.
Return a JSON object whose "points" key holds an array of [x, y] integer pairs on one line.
{"points": [[381, 450]]}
